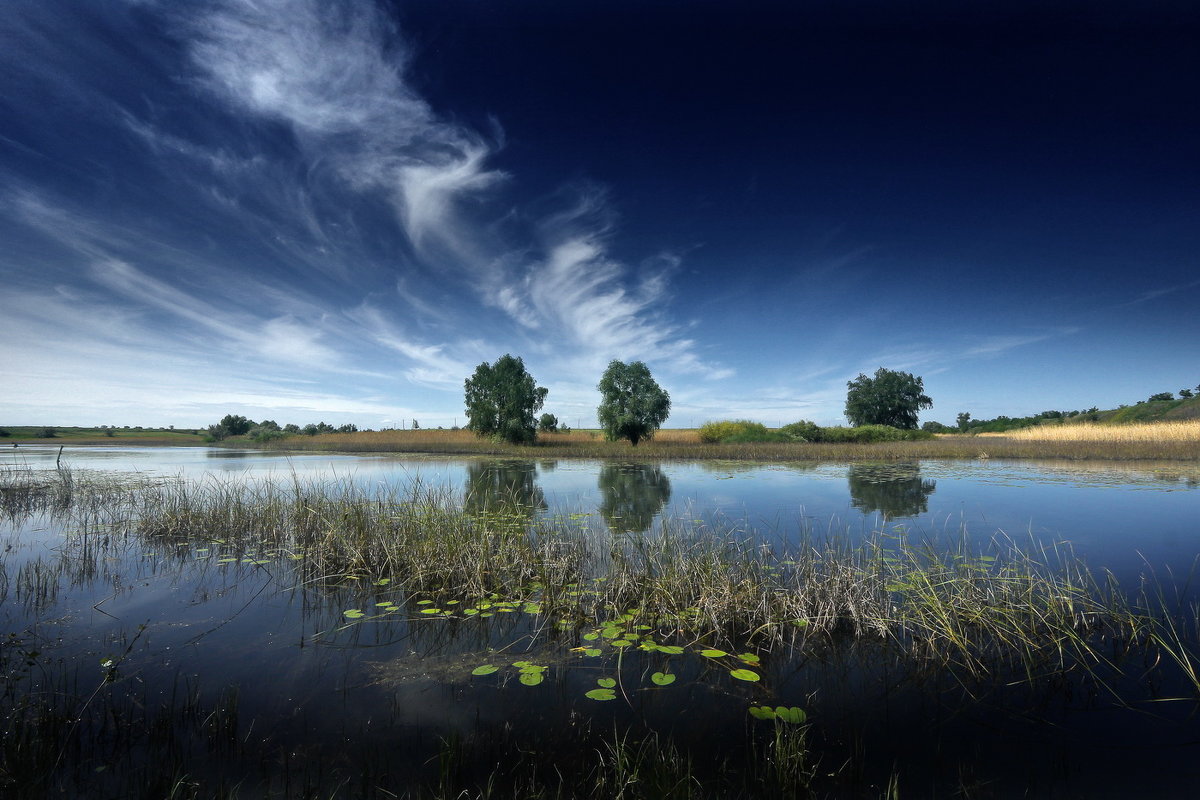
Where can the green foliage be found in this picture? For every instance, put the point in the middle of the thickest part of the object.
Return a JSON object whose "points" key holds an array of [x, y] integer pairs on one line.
{"points": [[1161, 396], [864, 434], [236, 425], [963, 420], [632, 405], [4, 434], [890, 398], [502, 399], [802, 431], [725, 429], [933, 426], [47, 433], [1185, 393], [548, 422]]}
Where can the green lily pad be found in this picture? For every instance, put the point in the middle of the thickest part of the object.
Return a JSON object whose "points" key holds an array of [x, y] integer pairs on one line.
{"points": [[745, 675], [670, 649], [601, 694], [795, 716], [486, 669], [532, 678], [607, 683], [662, 678], [762, 712], [353, 613], [713, 653]]}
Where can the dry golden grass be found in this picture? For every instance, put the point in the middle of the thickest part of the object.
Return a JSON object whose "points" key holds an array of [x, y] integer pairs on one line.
{"points": [[1187, 431]]}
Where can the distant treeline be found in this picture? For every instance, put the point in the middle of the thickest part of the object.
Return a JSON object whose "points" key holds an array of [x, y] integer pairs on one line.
{"points": [[1157, 406]]}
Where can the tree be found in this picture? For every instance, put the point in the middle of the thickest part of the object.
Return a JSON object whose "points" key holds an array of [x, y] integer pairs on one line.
{"points": [[502, 399], [632, 404], [1154, 398], [236, 425], [1185, 393], [964, 420], [548, 422], [890, 398]]}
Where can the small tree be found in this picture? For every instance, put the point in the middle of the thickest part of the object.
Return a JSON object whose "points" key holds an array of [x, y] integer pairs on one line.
{"points": [[632, 406], [502, 399], [964, 420], [548, 423], [890, 398], [1185, 393], [1154, 398]]}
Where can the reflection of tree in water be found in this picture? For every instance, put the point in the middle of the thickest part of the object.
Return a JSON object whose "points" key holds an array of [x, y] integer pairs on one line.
{"points": [[632, 495], [894, 490], [507, 489]]}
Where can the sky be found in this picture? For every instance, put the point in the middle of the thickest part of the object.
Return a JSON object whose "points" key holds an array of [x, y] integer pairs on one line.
{"points": [[310, 210]]}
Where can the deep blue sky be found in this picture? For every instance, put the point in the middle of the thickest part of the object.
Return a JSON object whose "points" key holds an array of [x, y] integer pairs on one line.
{"points": [[305, 210]]}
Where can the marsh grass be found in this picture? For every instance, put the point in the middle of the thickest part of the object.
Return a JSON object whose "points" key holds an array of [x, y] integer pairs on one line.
{"points": [[986, 615], [946, 604], [1187, 432], [1177, 442]]}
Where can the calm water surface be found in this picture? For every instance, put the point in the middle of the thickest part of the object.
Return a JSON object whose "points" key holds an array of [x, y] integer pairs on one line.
{"points": [[313, 693]]}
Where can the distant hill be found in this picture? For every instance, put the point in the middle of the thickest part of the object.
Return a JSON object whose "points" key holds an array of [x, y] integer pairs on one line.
{"points": [[1153, 411]]}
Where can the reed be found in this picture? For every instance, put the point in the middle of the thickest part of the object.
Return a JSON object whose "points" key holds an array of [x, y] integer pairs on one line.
{"points": [[1187, 432], [944, 604], [686, 445]]}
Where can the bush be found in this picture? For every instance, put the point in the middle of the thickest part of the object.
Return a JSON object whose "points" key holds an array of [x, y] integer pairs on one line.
{"points": [[4, 433], [802, 431], [725, 429], [864, 434], [47, 433]]}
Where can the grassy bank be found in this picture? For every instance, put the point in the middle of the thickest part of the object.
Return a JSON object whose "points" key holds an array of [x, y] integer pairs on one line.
{"points": [[1156, 441]]}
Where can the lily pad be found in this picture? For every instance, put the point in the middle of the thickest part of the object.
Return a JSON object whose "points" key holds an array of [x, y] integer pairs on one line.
{"points": [[486, 669], [662, 678], [532, 678], [713, 653], [745, 675], [601, 694], [607, 683], [795, 716]]}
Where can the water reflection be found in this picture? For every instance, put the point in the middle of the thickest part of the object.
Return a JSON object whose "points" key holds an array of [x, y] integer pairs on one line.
{"points": [[894, 490], [632, 495], [505, 487]]}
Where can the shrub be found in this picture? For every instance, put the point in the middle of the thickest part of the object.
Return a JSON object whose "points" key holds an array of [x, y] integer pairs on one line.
{"points": [[871, 433], [4, 433], [802, 431], [47, 433], [723, 430]]}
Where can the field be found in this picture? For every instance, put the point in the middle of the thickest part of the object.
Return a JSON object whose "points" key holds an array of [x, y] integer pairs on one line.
{"points": [[78, 435], [1175, 441]]}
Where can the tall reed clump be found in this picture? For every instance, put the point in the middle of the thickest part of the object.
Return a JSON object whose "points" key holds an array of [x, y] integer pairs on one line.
{"points": [[947, 603], [1155, 432], [421, 536]]}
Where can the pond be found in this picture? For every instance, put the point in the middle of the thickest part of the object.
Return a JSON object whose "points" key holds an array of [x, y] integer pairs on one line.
{"points": [[188, 645]]}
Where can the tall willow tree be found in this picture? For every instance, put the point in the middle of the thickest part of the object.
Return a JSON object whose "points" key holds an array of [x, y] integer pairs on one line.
{"points": [[632, 404], [503, 400]]}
